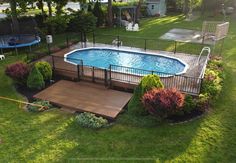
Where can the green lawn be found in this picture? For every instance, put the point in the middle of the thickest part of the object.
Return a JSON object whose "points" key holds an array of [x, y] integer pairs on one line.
{"points": [[54, 136]]}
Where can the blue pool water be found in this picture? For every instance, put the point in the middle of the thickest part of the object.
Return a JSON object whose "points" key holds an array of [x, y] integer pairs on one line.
{"points": [[103, 58]]}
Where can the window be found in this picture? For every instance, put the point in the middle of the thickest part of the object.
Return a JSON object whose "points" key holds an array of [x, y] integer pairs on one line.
{"points": [[153, 7]]}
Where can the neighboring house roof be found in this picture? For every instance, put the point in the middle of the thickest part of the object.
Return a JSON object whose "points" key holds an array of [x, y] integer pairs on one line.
{"points": [[153, 1]]}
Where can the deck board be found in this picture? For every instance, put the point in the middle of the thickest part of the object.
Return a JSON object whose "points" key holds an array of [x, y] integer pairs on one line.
{"points": [[83, 96]]}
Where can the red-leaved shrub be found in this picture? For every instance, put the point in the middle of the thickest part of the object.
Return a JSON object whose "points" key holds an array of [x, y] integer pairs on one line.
{"points": [[18, 72], [163, 102]]}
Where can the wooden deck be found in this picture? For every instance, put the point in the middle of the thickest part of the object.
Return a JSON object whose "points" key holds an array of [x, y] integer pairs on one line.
{"points": [[86, 97]]}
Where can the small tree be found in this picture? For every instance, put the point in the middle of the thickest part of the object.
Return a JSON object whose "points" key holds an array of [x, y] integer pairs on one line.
{"points": [[82, 22], [35, 79], [57, 24], [149, 82], [45, 69]]}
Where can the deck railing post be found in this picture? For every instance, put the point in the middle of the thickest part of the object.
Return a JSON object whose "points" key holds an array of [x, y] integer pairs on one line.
{"points": [[110, 75], [200, 85], [175, 47], [93, 79], [78, 72], [53, 66], [53, 63], [67, 42], [145, 44], [118, 41], [82, 67], [94, 39], [105, 77]]}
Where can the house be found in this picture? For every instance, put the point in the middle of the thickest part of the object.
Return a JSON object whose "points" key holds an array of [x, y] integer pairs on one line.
{"points": [[156, 7]]}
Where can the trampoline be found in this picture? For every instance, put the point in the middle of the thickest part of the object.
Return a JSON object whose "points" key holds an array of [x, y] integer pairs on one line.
{"points": [[18, 41], [24, 36]]}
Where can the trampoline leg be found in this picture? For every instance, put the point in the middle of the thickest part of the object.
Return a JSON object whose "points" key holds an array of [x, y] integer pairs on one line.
{"points": [[1, 50], [30, 48]]}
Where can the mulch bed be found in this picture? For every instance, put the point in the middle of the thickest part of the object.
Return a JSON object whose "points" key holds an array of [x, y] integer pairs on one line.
{"points": [[186, 117], [26, 92]]}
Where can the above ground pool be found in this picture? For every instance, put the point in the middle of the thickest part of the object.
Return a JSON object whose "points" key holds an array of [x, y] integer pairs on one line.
{"points": [[18, 41], [104, 57]]}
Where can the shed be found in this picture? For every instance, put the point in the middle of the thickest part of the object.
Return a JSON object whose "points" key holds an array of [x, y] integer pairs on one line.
{"points": [[156, 7]]}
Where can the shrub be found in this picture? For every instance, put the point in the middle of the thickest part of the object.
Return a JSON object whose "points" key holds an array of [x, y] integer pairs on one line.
{"points": [[189, 104], [203, 102], [18, 72], [35, 79], [147, 83], [46, 105], [213, 80], [212, 83], [216, 64], [90, 120], [45, 69], [163, 102]]}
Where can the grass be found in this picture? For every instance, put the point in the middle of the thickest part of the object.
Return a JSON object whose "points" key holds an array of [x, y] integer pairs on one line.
{"points": [[53, 136], [151, 29]]}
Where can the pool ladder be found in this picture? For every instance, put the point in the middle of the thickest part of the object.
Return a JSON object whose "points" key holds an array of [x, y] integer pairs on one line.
{"points": [[208, 49]]}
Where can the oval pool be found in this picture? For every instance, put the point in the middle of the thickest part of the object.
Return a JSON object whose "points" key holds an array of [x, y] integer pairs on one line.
{"points": [[104, 57]]}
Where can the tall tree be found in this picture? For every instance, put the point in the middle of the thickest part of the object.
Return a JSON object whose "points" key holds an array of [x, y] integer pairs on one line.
{"points": [[15, 23], [138, 10], [40, 6], [59, 5], [186, 6], [110, 15], [49, 4]]}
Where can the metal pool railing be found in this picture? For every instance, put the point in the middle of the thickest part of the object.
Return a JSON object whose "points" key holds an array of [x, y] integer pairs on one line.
{"points": [[187, 84], [124, 75]]}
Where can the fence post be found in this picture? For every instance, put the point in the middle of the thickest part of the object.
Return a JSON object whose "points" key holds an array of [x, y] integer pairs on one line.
{"points": [[105, 77], [53, 66], [175, 47], [93, 75], [110, 75], [200, 87], [118, 41], [67, 41], [82, 70], [145, 44], [93, 38], [78, 72], [53, 63]]}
